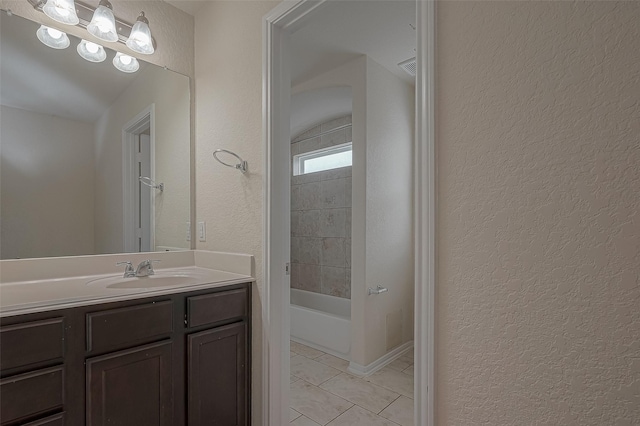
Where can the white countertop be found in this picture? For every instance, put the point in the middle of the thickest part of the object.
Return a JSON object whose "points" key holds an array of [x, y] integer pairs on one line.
{"points": [[204, 269]]}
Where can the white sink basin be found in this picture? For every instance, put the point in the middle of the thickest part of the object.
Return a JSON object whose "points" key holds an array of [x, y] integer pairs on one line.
{"points": [[160, 279]]}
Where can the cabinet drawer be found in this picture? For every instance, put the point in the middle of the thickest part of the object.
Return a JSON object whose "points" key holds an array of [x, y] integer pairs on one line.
{"points": [[55, 420], [133, 325], [31, 343], [215, 307], [27, 395]]}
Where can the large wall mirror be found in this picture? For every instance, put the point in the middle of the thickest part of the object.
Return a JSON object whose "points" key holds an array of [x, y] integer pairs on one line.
{"points": [[84, 150]]}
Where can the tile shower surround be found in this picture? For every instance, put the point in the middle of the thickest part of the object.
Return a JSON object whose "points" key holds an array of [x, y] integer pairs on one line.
{"points": [[321, 218]]}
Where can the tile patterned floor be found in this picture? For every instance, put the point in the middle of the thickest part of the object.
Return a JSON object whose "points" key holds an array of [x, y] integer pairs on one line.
{"points": [[324, 393]]}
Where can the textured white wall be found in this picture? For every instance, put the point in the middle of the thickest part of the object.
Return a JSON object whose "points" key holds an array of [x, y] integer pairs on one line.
{"points": [[229, 115], [389, 215], [46, 185], [538, 156], [169, 92], [172, 29]]}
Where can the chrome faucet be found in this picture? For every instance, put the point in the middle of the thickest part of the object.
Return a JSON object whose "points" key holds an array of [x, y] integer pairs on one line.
{"points": [[128, 271], [145, 268]]}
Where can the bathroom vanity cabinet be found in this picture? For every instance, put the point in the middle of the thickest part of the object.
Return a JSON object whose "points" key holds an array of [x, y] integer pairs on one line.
{"points": [[178, 359]]}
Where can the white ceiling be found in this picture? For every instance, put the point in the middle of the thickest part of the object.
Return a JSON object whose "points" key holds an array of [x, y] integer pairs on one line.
{"points": [[338, 32], [329, 103], [343, 30], [190, 6], [37, 78]]}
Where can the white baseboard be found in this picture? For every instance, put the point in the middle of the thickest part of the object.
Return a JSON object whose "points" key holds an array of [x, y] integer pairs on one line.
{"points": [[365, 370]]}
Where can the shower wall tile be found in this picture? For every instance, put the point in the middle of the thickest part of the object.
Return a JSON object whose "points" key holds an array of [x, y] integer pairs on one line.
{"points": [[295, 252], [332, 223], [321, 219], [310, 145], [295, 273], [338, 137], [309, 223], [333, 252], [309, 133], [310, 196], [295, 223], [333, 281], [342, 172], [310, 250], [338, 122], [309, 177], [347, 282], [347, 252], [333, 193], [309, 277], [295, 197]]}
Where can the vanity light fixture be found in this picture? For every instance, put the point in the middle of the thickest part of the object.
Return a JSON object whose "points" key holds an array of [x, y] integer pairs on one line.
{"points": [[63, 11], [53, 38], [140, 40], [103, 23], [125, 63], [100, 22], [92, 52]]}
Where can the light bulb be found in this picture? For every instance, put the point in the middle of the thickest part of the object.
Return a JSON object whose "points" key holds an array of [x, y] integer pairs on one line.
{"points": [[92, 52], [103, 25], [92, 47], [55, 34], [125, 63], [52, 37]]}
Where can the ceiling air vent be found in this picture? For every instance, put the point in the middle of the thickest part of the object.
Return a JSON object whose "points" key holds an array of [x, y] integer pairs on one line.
{"points": [[409, 66]]}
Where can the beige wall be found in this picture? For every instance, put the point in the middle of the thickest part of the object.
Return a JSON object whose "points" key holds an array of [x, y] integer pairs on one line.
{"points": [[169, 92], [538, 156], [46, 185], [229, 115], [389, 212]]}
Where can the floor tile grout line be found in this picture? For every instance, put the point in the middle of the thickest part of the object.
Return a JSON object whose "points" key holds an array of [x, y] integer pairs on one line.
{"points": [[399, 396]]}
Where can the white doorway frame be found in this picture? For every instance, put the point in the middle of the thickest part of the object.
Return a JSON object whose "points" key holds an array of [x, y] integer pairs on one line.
{"points": [[146, 118], [277, 27]]}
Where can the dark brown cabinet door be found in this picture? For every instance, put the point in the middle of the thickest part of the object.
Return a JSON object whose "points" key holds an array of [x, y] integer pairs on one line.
{"points": [[131, 388], [217, 378]]}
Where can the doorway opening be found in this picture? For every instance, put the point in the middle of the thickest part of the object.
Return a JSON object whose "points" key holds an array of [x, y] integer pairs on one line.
{"points": [[279, 25], [138, 174]]}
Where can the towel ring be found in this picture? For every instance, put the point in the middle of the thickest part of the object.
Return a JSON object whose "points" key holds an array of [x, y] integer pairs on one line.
{"points": [[150, 183], [242, 165]]}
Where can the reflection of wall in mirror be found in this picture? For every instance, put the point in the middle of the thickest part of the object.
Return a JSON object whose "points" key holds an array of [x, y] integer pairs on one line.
{"points": [[46, 185], [170, 94]]}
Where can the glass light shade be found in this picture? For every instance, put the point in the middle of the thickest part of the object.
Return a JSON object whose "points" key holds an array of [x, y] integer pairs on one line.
{"points": [[125, 63], [92, 52], [103, 23], [140, 39], [63, 11], [52, 37]]}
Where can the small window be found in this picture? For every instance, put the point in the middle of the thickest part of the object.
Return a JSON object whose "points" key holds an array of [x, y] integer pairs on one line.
{"points": [[322, 159]]}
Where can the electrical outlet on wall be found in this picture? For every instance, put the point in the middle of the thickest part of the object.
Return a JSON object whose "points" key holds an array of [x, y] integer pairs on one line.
{"points": [[188, 231], [202, 231]]}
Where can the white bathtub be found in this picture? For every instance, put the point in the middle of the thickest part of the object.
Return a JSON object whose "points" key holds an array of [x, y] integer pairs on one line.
{"points": [[321, 321]]}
